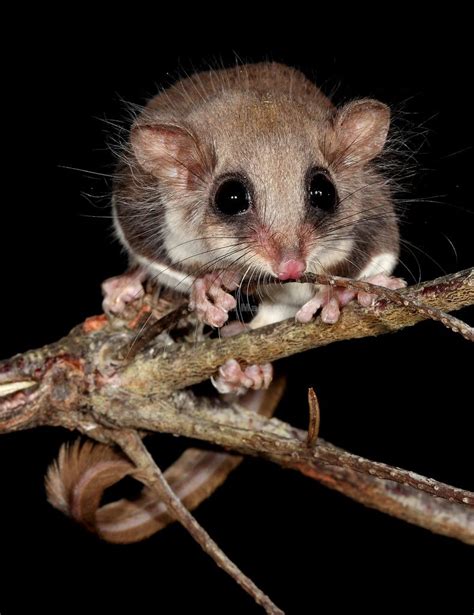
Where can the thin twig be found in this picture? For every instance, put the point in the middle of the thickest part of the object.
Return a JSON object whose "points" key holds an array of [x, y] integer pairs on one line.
{"points": [[399, 298], [131, 443], [236, 428]]}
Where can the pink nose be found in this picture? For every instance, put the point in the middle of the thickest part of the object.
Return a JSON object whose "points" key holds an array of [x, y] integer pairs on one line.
{"points": [[291, 269]]}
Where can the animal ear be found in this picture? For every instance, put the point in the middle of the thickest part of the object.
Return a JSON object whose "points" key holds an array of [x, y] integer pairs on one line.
{"points": [[169, 152], [361, 129]]}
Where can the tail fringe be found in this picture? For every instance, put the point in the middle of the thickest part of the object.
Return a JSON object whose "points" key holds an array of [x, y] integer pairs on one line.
{"points": [[76, 481]]}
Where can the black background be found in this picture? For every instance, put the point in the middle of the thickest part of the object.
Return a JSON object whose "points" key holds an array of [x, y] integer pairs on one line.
{"points": [[404, 399]]}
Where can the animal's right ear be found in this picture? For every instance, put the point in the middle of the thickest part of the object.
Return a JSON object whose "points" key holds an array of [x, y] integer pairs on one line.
{"points": [[169, 152]]}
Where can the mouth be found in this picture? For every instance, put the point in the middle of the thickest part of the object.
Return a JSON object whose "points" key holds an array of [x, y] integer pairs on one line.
{"points": [[291, 269]]}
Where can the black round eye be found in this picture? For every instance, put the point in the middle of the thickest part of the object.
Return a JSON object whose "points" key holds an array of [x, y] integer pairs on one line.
{"points": [[232, 197], [322, 192]]}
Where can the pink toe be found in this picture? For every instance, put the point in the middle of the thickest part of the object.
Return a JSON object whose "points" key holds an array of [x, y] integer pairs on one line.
{"points": [[387, 281], [120, 291], [304, 315], [229, 280], [309, 309], [366, 299], [216, 317], [232, 379], [382, 280], [345, 296], [254, 374], [260, 375], [396, 283], [330, 312], [233, 328], [232, 373], [222, 299]]}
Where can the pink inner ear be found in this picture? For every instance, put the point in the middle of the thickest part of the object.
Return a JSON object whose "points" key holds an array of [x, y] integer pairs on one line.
{"points": [[168, 152], [361, 130]]}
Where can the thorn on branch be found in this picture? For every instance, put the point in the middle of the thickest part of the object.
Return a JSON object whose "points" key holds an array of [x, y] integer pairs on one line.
{"points": [[314, 418], [149, 329]]}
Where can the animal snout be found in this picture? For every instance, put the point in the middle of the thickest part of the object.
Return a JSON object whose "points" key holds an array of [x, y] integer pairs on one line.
{"points": [[291, 269]]}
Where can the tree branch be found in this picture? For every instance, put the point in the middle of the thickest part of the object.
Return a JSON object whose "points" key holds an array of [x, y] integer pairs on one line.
{"points": [[184, 366], [423, 501], [100, 378]]}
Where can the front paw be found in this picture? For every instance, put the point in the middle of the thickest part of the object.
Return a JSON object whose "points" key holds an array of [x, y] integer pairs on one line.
{"points": [[122, 290], [386, 281], [210, 300], [331, 299], [232, 378]]}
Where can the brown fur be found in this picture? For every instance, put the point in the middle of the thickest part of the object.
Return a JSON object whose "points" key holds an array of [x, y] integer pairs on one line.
{"points": [[266, 122], [76, 481], [270, 123]]}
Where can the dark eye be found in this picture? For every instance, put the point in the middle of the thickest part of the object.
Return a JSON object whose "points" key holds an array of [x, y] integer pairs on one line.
{"points": [[322, 193], [232, 197]]}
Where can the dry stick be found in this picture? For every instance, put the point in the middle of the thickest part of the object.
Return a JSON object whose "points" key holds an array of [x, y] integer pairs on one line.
{"points": [[314, 418], [65, 372], [438, 507], [132, 445], [239, 429], [425, 502]]}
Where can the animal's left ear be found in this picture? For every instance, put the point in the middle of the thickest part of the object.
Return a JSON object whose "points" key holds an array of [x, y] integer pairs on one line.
{"points": [[361, 129]]}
